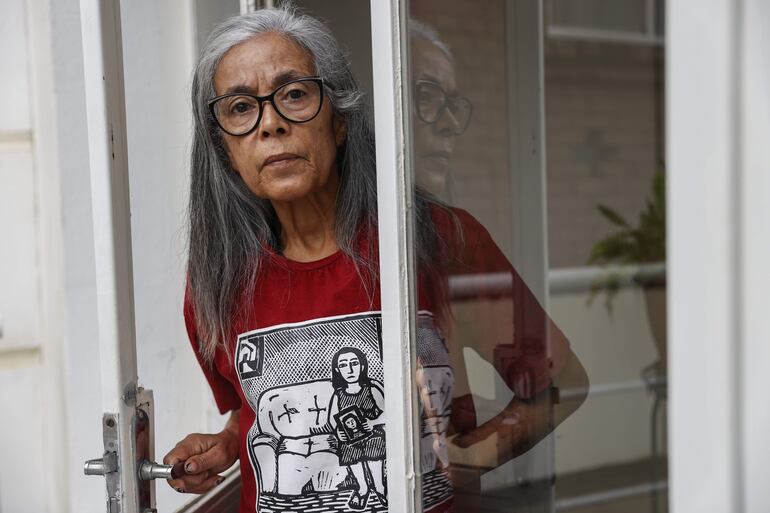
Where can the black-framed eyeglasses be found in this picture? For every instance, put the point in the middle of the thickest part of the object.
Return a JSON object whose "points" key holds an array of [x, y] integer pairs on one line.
{"points": [[431, 103], [298, 101]]}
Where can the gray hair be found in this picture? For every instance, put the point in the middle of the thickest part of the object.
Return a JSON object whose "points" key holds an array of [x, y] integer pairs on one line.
{"points": [[420, 30], [229, 227]]}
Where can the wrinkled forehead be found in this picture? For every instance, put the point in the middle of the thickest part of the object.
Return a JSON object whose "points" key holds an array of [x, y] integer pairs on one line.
{"points": [[262, 63]]}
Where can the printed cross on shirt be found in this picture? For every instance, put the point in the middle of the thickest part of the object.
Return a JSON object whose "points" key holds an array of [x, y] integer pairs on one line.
{"points": [[317, 409], [310, 445], [288, 412]]}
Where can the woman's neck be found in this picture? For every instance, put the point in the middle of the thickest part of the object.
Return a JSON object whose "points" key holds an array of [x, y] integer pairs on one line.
{"points": [[308, 226]]}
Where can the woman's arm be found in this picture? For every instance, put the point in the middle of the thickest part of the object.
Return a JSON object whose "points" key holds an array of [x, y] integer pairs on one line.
{"points": [[518, 426]]}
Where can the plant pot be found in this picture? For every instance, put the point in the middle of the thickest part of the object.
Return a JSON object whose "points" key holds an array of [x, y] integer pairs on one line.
{"points": [[655, 299]]}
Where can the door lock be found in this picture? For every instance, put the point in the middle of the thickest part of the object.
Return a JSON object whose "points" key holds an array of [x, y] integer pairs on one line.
{"points": [[141, 447]]}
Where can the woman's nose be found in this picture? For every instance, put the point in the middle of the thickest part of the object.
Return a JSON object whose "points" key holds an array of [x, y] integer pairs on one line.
{"points": [[271, 123], [447, 124]]}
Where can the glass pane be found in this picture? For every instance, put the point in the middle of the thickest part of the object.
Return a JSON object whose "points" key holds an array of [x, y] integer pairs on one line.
{"points": [[660, 17], [518, 310], [620, 15], [604, 129]]}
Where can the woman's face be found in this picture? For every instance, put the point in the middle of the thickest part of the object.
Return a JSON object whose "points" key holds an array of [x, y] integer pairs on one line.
{"points": [[433, 142], [279, 160], [349, 367]]}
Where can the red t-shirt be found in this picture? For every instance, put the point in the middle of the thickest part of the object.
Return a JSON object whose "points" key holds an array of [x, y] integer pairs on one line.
{"points": [[306, 372]]}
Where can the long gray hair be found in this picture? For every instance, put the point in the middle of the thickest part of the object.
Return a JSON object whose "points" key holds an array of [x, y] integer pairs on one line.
{"points": [[229, 227]]}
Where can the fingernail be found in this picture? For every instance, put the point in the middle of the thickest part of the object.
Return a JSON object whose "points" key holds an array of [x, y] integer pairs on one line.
{"points": [[189, 467], [181, 490]]}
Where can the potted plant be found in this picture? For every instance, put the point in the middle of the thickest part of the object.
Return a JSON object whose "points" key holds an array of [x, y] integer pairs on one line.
{"points": [[634, 245]]}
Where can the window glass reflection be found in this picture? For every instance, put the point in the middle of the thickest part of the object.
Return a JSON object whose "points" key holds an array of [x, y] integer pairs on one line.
{"points": [[543, 277]]}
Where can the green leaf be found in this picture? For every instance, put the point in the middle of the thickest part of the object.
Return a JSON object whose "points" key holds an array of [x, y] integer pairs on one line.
{"points": [[645, 242], [612, 216]]}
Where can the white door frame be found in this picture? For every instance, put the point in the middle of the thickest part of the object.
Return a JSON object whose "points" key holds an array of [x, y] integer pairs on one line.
{"points": [[754, 127], [526, 156], [396, 247], [718, 120], [108, 162]]}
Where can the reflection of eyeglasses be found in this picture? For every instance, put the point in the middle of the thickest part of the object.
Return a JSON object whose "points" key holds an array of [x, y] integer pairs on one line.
{"points": [[432, 102], [297, 101]]}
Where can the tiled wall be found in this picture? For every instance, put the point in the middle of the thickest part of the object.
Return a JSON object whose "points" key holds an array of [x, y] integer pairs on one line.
{"points": [[604, 138], [603, 120]]}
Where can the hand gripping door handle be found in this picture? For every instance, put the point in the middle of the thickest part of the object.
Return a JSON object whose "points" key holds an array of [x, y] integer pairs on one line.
{"points": [[148, 470]]}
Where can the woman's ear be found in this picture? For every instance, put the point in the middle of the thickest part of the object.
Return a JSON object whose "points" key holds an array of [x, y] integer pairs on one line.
{"points": [[340, 130]]}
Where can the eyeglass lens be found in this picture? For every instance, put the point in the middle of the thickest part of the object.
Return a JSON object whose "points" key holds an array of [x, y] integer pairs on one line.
{"points": [[298, 101], [432, 102]]}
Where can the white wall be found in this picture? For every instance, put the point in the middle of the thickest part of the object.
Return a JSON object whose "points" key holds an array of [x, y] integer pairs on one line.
{"points": [[615, 428], [607, 429], [21, 420]]}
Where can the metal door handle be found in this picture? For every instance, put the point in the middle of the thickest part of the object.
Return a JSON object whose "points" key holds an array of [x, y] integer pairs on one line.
{"points": [[102, 466], [150, 470]]}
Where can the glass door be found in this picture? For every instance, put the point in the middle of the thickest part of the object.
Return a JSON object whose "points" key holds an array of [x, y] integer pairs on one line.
{"points": [[533, 161], [476, 120]]}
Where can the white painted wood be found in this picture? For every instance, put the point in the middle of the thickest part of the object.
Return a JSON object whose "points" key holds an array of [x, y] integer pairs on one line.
{"points": [[49, 236], [754, 80], [610, 36], [704, 343], [108, 162], [526, 137], [526, 157], [22, 489], [14, 87], [396, 248], [20, 290], [79, 340]]}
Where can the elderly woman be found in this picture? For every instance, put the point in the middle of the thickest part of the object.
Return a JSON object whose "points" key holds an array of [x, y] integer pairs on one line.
{"points": [[282, 279]]}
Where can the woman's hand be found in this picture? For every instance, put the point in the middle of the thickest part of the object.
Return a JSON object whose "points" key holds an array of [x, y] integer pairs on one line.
{"points": [[205, 456]]}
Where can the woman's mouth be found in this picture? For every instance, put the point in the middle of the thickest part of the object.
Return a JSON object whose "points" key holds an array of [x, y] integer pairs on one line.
{"points": [[280, 159], [438, 156]]}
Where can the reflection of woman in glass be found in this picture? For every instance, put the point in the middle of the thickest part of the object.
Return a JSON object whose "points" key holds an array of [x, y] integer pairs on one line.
{"points": [[358, 403], [441, 114]]}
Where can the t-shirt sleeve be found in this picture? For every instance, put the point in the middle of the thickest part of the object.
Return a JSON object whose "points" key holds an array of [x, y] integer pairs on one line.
{"points": [[226, 397], [538, 348]]}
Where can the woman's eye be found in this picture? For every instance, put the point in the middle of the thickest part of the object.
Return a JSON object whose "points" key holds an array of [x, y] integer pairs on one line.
{"points": [[295, 94], [240, 108], [428, 98]]}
